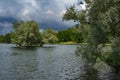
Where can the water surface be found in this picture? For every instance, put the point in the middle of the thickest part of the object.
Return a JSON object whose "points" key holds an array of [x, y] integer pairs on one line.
{"points": [[56, 62]]}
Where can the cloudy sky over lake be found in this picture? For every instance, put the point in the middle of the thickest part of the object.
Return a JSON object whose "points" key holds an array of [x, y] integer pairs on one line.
{"points": [[48, 13]]}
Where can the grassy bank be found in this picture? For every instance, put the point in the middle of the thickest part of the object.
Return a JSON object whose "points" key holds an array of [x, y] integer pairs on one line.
{"points": [[67, 43]]}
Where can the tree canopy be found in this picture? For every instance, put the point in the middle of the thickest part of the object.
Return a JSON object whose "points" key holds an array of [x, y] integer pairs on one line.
{"points": [[70, 34], [5, 38], [102, 18], [26, 33], [49, 36]]}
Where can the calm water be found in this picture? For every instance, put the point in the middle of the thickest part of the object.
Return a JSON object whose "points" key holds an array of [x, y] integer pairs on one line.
{"points": [[47, 63]]}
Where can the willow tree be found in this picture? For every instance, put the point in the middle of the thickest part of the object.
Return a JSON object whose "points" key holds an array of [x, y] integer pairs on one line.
{"points": [[26, 34], [49, 36], [102, 19]]}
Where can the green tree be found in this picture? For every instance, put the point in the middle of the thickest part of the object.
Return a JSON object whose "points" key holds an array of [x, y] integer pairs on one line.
{"points": [[26, 34], [63, 36], [7, 38], [2, 39], [49, 36], [16, 24], [102, 20], [106, 17], [70, 34]]}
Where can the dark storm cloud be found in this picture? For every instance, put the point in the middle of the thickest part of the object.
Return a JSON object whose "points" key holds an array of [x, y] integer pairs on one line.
{"points": [[48, 13]]}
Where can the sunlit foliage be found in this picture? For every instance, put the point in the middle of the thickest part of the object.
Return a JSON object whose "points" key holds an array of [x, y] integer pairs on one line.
{"points": [[26, 33]]}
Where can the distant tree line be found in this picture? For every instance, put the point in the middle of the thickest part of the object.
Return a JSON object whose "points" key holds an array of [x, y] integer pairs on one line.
{"points": [[26, 33], [5, 38], [73, 34]]}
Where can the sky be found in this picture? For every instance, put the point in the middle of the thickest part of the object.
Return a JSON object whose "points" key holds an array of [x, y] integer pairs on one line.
{"points": [[47, 13]]}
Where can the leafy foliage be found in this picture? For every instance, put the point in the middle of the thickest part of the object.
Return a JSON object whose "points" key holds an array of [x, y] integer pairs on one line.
{"points": [[5, 38], [49, 36], [102, 20], [26, 34], [71, 34]]}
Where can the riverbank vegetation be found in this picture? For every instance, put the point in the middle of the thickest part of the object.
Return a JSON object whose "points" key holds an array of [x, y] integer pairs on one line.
{"points": [[26, 33], [5, 38], [101, 22]]}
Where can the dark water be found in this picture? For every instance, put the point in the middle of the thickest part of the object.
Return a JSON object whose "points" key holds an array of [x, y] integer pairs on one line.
{"points": [[47, 63]]}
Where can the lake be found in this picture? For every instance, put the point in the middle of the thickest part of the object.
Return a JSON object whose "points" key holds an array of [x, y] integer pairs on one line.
{"points": [[57, 62]]}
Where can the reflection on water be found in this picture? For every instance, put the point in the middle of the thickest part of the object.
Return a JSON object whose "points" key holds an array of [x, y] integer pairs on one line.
{"points": [[47, 63]]}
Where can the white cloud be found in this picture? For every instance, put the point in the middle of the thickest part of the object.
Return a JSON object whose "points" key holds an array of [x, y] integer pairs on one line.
{"points": [[33, 3], [25, 12], [49, 12], [83, 6], [62, 12], [24, 9]]}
